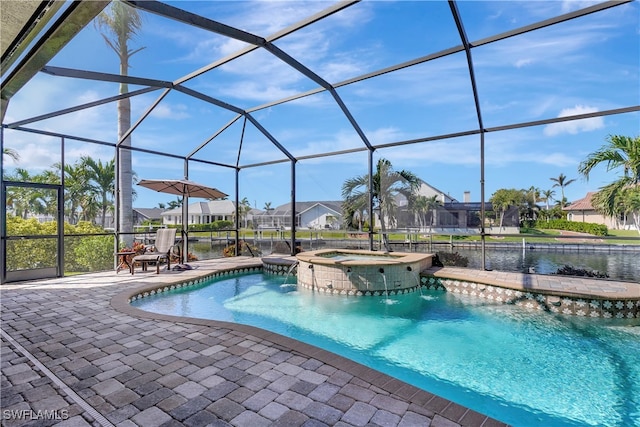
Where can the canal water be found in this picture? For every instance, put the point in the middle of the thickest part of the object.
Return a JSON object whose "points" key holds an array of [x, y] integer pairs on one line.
{"points": [[607, 259]]}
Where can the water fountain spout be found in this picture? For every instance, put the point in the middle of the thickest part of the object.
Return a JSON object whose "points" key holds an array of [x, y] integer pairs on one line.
{"points": [[386, 290], [289, 271], [416, 276]]}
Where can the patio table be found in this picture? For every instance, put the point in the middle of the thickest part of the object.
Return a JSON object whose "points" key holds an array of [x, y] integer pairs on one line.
{"points": [[122, 258]]}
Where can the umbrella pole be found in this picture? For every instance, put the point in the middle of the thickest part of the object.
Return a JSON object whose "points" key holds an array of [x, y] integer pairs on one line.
{"points": [[185, 202]]}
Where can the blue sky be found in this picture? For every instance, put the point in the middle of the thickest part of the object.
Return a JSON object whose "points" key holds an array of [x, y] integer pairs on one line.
{"points": [[586, 65]]}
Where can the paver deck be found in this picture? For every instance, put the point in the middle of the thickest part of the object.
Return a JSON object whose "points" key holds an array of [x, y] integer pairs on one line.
{"points": [[74, 353]]}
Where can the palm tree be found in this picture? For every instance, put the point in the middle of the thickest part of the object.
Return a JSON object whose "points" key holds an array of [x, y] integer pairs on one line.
{"points": [[387, 185], [243, 209], [620, 196], [10, 152], [425, 206], [503, 199], [621, 151], [532, 195], [120, 24], [18, 198], [561, 181], [268, 208], [547, 196], [102, 177], [76, 186], [174, 204]]}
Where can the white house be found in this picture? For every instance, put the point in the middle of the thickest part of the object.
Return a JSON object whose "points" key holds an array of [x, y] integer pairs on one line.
{"points": [[311, 215], [201, 213]]}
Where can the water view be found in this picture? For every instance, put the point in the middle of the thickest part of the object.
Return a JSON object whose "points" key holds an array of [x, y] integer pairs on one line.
{"points": [[521, 367], [618, 265]]}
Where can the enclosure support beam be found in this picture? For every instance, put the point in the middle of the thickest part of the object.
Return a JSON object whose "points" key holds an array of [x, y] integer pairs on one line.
{"points": [[293, 207]]}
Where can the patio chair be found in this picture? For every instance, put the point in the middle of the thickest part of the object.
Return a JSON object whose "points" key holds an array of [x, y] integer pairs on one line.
{"points": [[159, 251]]}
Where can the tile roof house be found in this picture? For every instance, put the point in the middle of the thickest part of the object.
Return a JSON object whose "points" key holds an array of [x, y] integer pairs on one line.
{"points": [[582, 210]]}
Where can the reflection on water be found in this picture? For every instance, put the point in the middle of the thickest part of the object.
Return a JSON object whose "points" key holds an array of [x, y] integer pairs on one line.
{"points": [[619, 266]]}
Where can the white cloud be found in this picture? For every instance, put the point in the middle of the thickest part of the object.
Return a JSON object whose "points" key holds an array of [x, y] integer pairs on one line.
{"points": [[575, 126], [523, 62], [174, 112]]}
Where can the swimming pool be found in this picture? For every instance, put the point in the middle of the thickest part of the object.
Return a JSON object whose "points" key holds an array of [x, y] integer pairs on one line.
{"points": [[520, 367]]}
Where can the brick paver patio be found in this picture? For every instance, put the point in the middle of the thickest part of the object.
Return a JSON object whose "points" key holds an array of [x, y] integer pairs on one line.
{"points": [[72, 355]]}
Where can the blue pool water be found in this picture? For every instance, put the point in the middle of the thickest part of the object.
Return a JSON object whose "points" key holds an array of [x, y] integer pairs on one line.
{"points": [[520, 367]]}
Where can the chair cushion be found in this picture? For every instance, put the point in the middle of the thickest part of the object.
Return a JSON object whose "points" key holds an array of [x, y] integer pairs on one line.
{"points": [[149, 257]]}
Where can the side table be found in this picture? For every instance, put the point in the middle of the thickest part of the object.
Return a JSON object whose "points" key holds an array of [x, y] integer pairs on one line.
{"points": [[122, 258]]}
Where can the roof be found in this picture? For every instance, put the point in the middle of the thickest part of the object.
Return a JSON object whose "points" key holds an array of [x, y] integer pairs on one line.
{"points": [[212, 207], [285, 209], [583, 204], [151, 213]]}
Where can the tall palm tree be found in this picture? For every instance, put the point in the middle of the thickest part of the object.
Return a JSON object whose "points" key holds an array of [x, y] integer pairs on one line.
{"points": [[119, 24], [562, 181], [387, 184]]}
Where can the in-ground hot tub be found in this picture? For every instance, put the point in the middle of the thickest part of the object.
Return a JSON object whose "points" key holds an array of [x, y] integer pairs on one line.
{"points": [[358, 272]]}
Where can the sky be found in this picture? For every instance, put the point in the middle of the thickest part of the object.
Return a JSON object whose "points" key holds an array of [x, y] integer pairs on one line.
{"points": [[582, 66]]}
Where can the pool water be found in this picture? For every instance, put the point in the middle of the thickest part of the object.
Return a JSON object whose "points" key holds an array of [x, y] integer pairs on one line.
{"points": [[520, 367]]}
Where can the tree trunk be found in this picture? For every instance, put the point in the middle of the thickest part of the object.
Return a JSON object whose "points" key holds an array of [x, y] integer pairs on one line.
{"points": [[125, 178]]}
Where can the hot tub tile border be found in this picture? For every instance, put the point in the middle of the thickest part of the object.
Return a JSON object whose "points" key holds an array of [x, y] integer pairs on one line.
{"points": [[607, 308]]}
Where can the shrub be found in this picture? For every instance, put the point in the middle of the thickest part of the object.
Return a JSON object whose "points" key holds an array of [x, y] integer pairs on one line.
{"points": [[563, 224], [82, 253], [567, 270], [453, 259], [245, 249]]}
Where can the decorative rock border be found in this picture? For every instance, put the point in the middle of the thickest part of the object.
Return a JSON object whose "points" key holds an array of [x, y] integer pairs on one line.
{"points": [[576, 306], [156, 289], [280, 266]]}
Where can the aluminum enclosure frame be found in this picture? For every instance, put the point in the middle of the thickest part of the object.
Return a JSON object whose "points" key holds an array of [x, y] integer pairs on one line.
{"points": [[82, 12]]}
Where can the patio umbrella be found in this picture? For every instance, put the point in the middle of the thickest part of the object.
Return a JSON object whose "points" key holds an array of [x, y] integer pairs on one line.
{"points": [[186, 189], [182, 187]]}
